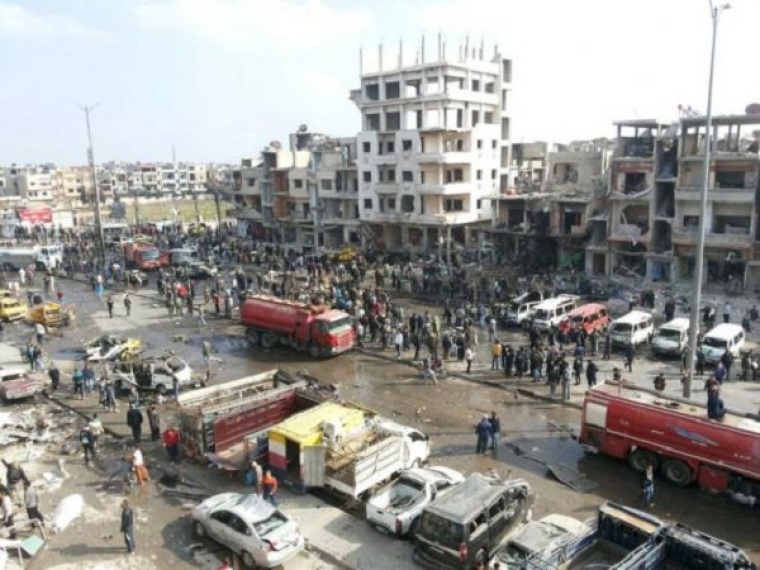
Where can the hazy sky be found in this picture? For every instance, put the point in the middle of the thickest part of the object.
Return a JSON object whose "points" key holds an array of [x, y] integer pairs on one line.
{"points": [[219, 79]]}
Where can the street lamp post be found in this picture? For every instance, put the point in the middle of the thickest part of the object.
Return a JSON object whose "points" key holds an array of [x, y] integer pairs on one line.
{"points": [[715, 12]]}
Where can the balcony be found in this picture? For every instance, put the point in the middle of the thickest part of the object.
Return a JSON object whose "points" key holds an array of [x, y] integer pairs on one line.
{"points": [[444, 189], [688, 236], [244, 213], [386, 188], [455, 157], [387, 158], [694, 192]]}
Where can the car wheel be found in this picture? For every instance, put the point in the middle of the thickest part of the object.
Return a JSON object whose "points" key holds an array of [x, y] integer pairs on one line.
{"points": [[268, 340], [199, 529], [640, 458], [248, 560], [254, 338], [677, 472], [314, 351]]}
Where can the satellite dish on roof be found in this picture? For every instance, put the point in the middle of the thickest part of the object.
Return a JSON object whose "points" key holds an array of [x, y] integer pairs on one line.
{"points": [[276, 145], [753, 109], [303, 128]]}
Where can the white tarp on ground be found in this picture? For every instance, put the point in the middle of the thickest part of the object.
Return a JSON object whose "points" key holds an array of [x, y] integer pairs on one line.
{"points": [[66, 512]]}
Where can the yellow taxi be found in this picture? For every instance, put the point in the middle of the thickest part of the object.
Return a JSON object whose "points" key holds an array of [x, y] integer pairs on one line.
{"points": [[12, 309]]}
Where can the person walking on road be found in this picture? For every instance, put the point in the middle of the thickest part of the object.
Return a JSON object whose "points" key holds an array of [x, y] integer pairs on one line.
{"points": [[138, 464], [201, 315], [32, 503], [727, 312], [55, 375], [206, 350], [468, 356], [135, 421], [128, 303], [154, 421], [128, 526], [87, 440], [171, 441], [630, 352], [495, 354], [109, 304], [484, 431], [647, 486], [269, 487], [496, 428], [591, 371]]}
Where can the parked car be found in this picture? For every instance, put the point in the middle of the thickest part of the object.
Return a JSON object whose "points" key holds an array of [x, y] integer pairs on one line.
{"points": [[251, 527], [396, 508], [137, 277], [468, 525], [12, 309], [199, 270], [112, 347], [16, 383], [538, 539], [154, 374]]}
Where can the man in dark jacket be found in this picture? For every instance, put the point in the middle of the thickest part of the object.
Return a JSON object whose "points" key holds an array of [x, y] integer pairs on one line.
{"points": [[485, 433], [496, 429], [55, 375], [591, 370], [15, 479], [128, 526], [630, 352], [135, 421]]}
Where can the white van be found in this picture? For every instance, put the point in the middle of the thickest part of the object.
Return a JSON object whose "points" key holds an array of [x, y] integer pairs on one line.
{"points": [[633, 328], [672, 338], [549, 313], [522, 307], [724, 336]]}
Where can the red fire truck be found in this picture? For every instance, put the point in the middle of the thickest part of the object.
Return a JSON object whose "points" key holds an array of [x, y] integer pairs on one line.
{"points": [[676, 437]]}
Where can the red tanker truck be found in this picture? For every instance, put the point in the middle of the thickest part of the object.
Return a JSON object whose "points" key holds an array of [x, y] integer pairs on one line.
{"points": [[320, 330], [145, 256], [676, 437]]}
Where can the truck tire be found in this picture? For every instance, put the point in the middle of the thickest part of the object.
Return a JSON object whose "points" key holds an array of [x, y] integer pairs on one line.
{"points": [[314, 351], [254, 338], [268, 340], [640, 458], [677, 472]]}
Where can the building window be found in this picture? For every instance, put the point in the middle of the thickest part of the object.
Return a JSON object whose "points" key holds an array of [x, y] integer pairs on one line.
{"points": [[391, 203], [480, 144], [475, 85], [250, 181], [407, 176], [391, 176], [475, 118], [391, 147], [368, 203], [488, 117], [493, 175], [493, 144], [298, 183], [479, 174], [366, 147], [479, 204], [367, 175], [406, 144], [453, 205], [327, 185]]}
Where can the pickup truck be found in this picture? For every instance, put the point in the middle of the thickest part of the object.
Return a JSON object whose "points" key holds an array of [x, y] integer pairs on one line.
{"points": [[396, 508], [153, 374], [539, 539]]}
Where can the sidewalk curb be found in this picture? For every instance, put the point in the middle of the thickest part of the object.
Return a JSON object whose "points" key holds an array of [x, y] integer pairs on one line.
{"points": [[328, 556], [522, 391]]}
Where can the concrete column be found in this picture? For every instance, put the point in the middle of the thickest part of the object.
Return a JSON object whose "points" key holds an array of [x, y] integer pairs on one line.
{"points": [[425, 238]]}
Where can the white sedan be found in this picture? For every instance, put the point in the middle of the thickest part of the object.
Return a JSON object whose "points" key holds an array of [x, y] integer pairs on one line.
{"points": [[249, 526]]}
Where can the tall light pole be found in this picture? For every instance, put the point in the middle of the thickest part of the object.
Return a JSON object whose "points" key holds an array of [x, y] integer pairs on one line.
{"points": [[96, 187], [715, 12]]}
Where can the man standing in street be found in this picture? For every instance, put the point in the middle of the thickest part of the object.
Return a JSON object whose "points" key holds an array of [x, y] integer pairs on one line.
{"points": [[269, 487], [109, 304], [87, 440], [55, 375], [154, 421], [128, 526], [485, 433], [171, 441], [496, 428], [127, 303], [726, 312], [32, 503], [135, 421], [495, 354], [15, 479], [468, 356], [630, 352], [591, 370], [206, 350]]}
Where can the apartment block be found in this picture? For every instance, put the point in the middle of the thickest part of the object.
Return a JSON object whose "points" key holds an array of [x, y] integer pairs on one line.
{"points": [[38, 183], [650, 229], [543, 219], [74, 184], [434, 147]]}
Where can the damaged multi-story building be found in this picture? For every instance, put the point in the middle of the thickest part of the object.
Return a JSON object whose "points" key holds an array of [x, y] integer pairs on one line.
{"points": [[652, 218], [434, 146], [305, 195], [543, 218]]}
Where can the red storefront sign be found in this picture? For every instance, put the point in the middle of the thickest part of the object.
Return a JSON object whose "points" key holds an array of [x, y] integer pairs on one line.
{"points": [[36, 215]]}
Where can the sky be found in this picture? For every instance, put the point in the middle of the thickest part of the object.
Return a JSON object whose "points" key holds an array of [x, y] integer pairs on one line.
{"points": [[219, 79]]}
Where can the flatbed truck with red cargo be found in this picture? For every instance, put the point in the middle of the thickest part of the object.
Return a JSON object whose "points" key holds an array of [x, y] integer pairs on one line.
{"points": [[318, 330], [675, 437]]}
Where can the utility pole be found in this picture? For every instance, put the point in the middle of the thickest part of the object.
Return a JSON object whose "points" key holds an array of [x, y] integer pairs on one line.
{"points": [[93, 175], [715, 12]]}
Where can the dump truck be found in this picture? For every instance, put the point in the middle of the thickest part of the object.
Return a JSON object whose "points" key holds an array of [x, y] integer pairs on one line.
{"points": [[45, 258], [227, 424], [318, 330], [674, 436]]}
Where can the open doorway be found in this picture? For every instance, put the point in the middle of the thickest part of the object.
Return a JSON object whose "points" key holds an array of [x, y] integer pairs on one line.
{"points": [[292, 460]]}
